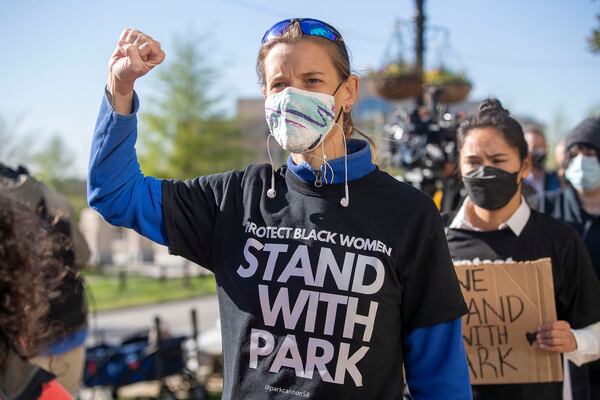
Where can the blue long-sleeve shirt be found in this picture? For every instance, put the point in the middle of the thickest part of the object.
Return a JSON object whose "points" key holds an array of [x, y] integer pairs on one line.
{"points": [[116, 187], [434, 356]]}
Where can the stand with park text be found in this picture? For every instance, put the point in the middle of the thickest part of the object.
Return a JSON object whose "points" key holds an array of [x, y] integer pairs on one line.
{"points": [[507, 303]]}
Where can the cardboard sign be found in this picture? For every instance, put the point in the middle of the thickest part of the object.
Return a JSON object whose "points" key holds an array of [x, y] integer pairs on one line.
{"points": [[507, 303]]}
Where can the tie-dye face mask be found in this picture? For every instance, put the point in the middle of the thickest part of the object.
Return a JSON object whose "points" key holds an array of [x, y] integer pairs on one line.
{"points": [[299, 119]]}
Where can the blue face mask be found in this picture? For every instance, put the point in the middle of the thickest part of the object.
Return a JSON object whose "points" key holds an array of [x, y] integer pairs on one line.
{"points": [[584, 172]]}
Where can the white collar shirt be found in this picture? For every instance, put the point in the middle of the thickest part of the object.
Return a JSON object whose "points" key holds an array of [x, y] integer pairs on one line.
{"points": [[516, 223]]}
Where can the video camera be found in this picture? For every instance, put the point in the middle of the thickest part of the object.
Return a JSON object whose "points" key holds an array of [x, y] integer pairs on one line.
{"points": [[423, 142]]}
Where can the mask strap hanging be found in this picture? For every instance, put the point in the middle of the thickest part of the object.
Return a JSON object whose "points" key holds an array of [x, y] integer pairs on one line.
{"points": [[327, 165], [271, 193], [345, 201]]}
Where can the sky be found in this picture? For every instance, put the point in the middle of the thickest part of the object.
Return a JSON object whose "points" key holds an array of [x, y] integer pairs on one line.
{"points": [[531, 54]]}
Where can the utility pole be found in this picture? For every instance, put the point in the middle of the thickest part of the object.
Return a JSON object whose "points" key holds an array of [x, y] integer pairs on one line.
{"points": [[420, 41]]}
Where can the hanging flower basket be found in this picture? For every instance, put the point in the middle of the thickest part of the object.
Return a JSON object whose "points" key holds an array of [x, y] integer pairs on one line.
{"points": [[454, 92], [454, 87], [399, 87], [397, 81]]}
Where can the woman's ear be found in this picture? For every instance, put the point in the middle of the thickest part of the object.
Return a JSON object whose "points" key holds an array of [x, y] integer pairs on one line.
{"points": [[525, 168], [264, 92], [351, 87]]}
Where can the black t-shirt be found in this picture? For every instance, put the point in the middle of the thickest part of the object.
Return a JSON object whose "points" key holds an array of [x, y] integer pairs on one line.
{"points": [[314, 298], [575, 285]]}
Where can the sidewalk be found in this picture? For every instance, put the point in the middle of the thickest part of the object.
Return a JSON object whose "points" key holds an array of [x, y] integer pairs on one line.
{"points": [[113, 326]]}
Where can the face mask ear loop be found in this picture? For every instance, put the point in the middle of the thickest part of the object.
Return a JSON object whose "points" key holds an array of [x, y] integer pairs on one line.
{"points": [[345, 201], [271, 193]]}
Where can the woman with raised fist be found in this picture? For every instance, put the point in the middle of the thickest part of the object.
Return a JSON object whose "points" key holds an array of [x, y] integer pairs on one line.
{"points": [[331, 274]]}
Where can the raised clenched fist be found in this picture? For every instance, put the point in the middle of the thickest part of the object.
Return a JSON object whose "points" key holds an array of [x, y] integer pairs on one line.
{"points": [[135, 55]]}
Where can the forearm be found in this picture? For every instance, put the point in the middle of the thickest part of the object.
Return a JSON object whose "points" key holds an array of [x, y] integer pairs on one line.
{"points": [[120, 96], [117, 188]]}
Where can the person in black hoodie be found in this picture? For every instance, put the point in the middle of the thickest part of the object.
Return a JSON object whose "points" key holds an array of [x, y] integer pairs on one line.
{"points": [[578, 204], [495, 223]]}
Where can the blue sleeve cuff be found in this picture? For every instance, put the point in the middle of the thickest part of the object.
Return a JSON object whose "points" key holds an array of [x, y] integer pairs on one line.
{"points": [[436, 363]]}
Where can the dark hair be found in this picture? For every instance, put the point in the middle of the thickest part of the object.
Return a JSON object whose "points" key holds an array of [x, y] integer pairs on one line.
{"points": [[31, 268], [535, 129], [491, 114]]}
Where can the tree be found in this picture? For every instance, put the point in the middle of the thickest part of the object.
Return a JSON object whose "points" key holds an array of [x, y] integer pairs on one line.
{"points": [[15, 148], [594, 38], [53, 164], [185, 135], [594, 111], [50, 162], [560, 125]]}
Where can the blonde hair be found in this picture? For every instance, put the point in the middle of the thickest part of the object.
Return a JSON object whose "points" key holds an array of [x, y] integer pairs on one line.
{"points": [[339, 57]]}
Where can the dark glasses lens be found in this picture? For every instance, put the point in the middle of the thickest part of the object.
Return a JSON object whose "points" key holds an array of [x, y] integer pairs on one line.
{"points": [[313, 27], [309, 26], [276, 30]]}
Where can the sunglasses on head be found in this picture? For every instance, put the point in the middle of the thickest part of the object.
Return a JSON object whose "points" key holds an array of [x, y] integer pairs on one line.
{"points": [[308, 26]]}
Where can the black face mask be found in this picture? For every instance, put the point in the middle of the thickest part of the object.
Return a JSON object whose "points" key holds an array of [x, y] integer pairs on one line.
{"points": [[491, 188], [538, 158]]}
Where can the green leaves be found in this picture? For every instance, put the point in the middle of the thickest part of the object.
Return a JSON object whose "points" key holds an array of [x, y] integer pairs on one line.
{"points": [[594, 38], [185, 134]]}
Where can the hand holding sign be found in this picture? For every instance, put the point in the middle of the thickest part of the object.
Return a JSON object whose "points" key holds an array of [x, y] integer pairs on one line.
{"points": [[556, 337], [507, 303]]}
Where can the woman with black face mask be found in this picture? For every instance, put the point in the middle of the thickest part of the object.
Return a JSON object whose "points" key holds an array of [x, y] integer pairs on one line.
{"points": [[495, 224]]}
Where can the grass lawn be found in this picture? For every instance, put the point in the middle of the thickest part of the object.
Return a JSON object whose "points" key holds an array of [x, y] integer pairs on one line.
{"points": [[105, 291]]}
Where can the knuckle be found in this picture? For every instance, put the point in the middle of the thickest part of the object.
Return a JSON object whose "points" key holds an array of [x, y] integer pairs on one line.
{"points": [[132, 35]]}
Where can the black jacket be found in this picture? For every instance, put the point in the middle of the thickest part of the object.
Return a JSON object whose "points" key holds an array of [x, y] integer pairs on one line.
{"points": [[564, 205]]}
